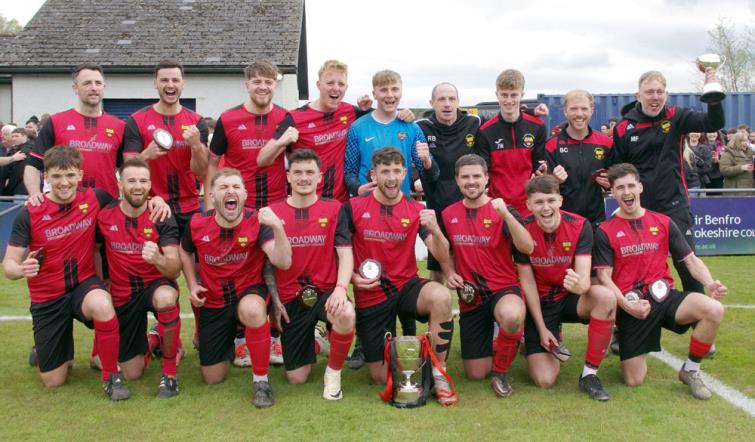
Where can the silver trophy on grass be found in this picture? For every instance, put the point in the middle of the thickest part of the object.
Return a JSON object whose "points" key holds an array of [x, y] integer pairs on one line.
{"points": [[408, 349]]}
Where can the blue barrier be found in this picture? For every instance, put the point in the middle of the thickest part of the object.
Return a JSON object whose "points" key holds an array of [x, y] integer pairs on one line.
{"points": [[8, 211], [723, 225]]}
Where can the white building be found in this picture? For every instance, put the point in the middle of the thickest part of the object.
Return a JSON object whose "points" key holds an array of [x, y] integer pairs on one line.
{"points": [[214, 40]]}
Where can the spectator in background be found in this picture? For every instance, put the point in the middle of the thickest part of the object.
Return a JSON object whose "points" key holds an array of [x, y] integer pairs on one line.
{"points": [[12, 165], [703, 163], [737, 164], [716, 144], [6, 132], [211, 123], [32, 124], [691, 175]]}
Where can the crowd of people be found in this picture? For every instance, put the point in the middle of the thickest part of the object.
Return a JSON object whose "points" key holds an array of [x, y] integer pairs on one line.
{"points": [[299, 204]]}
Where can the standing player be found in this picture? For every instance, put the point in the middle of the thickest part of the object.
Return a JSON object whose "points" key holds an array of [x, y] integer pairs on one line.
{"points": [[576, 154], [383, 128], [174, 171], [144, 256], [383, 226], [97, 135], [484, 234], [450, 134], [243, 132], [315, 286], [231, 243], [630, 254], [649, 136], [512, 143], [556, 283], [60, 272], [322, 126]]}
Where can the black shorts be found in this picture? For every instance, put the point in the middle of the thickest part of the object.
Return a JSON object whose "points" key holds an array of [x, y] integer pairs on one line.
{"points": [[554, 314], [132, 320], [53, 328], [217, 328], [432, 263], [374, 322], [182, 220], [297, 338], [637, 337], [476, 326]]}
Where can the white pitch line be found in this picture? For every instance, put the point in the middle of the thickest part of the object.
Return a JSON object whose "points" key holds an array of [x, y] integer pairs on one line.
{"points": [[28, 318], [729, 394], [742, 306]]}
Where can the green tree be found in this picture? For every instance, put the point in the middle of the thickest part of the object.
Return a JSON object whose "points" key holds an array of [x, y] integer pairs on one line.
{"points": [[737, 45], [11, 26]]}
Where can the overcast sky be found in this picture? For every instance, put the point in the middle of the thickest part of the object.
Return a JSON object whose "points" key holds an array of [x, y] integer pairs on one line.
{"points": [[602, 46]]}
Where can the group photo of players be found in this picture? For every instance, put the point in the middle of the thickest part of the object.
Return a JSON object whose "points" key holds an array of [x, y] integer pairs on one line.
{"points": [[276, 214]]}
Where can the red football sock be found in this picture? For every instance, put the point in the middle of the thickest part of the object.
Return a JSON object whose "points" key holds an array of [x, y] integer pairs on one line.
{"points": [[507, 344], [169, 328], [698, 349], [94, 346], [599, 333], [258, 343], [108, 341], [339, 348]]}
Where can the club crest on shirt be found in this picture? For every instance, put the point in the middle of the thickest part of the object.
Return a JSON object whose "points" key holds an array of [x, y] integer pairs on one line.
{"points": [[243, 240], [323, 221], [109, 132], [665, 126], [401, 136], [84, 207], [487, 222], [469, 139], [148, 232], [528, 140], [344, 119], [405, 222], [600, 153], [566, 245], [185, 126], [653, 230]]}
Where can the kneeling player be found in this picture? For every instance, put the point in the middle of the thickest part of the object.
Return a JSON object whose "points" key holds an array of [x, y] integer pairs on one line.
{"points": [[630, 253], [314, 288], [60, 272], [556, 283], [231, 243], [484, 234], [383, 226], [143, 258]]}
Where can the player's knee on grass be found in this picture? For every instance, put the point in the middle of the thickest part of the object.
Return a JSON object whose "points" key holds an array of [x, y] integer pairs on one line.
{"points": [[377, 372], [55, 377], [133, 368], [165, 296], [543, 371], [98, 305], [252, 311], [477, 369], [299, 375], [635, 370], [214, 374]]}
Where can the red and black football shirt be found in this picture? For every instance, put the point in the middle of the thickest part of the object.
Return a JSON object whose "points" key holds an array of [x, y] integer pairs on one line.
{"points": [[325, 133], [66, 231], [230, 260], [313, 234], [240, 135], [554, 253], [171, 175], [123, 238], [482, 247], [387, 235], [637, 249], [512, 151], [99, 139]]}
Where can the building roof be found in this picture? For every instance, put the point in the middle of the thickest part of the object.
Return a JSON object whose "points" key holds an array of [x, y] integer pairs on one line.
{"points": [[133, 35]]}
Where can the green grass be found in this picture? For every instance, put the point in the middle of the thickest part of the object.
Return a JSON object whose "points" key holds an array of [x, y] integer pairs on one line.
{"points": [[660, 410]]}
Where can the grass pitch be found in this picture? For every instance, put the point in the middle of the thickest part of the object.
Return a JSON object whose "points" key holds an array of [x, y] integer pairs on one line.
{"points": [[661, 409]]}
